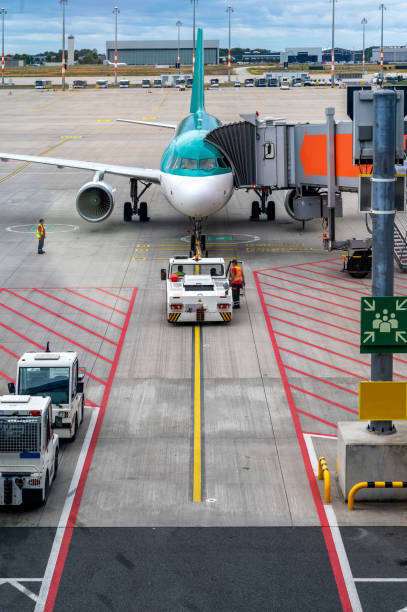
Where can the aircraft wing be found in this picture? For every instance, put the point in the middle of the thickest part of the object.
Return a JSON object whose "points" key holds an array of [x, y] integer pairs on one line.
{"points": [[170, 126], [146, 174]]}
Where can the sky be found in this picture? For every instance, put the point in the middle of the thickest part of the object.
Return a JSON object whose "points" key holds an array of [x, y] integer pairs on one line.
{"points": [[32, 26]]}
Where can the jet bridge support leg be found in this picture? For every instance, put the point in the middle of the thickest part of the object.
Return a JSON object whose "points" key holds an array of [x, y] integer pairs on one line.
{"points": [[135, 207]]}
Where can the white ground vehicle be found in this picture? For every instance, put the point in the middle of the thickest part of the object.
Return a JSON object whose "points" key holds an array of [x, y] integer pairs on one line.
{"points": [[197, 290], [157, 83], [285, 83], [57, 376], [79, 84], [146, 83], [28, 450], [249, 82], [214, 83], [101, 83], [124, 83]]}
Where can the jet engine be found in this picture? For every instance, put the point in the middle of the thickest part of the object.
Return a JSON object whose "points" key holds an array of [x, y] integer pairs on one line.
{"points": [[95, 201]]}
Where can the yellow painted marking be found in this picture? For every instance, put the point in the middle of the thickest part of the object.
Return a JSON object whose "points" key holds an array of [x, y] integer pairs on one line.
{"points": [[163, 100], [103, 120], [197, 489], [148, 118], [196, 268], [138, 258], [28, 163], [160, 258]]}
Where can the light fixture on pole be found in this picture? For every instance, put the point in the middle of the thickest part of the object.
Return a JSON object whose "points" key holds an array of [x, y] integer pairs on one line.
{"points": [[115, 13], [63, 64], [382, 8], [333, 45], [193, 36], [179, 24], [364, 22], [229, 10], [2, 13]]}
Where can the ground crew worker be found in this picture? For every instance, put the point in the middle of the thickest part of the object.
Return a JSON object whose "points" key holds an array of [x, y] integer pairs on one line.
{"points": [[236, 281], [180, 272], [41, 236]]}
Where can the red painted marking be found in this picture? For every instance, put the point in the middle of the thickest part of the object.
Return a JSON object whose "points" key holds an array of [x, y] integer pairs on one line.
{"points": [[314, 331], [52, 297], [63, 552], [325, 291], [6, 350], [6, 377], [113, 294], [310, 297], [299, 314], [89, 402], [99, 380], [85, 297], [88, 350], [323, 399], [324, 284], [333, 555], [323, 380], [325, 275], [14, 331], [55, 314], [322, 363], [325, 312], [313, 416]]}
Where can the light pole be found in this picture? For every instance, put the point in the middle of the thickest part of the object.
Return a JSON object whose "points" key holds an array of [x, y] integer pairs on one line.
{"points": [[363, 22], [179, 24], [193, 36], [2, 13], [382, 9], [229, 10], [333, 45], [115, 13], [63, 65]]}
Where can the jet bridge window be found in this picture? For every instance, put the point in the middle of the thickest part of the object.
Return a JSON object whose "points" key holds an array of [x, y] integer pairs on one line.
{"points": [[188, 163], [207, 164], [269, 151]]}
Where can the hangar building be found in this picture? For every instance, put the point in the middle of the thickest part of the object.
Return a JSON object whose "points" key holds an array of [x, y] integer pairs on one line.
{"points": [[391, 55], [161, 52]]}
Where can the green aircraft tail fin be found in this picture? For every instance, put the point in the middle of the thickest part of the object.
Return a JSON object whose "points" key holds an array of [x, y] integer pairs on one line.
{"points": [[197, 96]]}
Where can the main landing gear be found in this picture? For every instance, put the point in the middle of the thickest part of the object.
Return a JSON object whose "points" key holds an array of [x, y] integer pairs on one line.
{"points": [[264, 207], [135, 207]]}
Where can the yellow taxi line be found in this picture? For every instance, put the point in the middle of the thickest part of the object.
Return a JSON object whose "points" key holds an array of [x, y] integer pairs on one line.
{"points": [[197, 482]]}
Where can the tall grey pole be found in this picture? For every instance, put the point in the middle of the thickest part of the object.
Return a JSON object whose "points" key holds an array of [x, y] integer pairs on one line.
{"points": [[63, 65], [2, 12], [364, 22], [230, 11], [179, 24], [333, 46], [384, 146], [115, 12], [382, 8]]}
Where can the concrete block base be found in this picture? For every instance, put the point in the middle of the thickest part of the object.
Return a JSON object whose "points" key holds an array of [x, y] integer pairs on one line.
{"points": [[364, 456]]}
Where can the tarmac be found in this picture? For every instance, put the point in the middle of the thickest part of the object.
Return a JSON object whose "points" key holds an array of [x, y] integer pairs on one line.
{"points": [[134, 520]]}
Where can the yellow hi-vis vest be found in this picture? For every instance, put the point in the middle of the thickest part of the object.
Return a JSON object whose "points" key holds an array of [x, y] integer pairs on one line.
{"points": [[40, 231]]}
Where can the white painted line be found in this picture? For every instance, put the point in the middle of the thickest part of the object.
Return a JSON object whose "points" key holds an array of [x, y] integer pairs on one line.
{"points": [[337, 538], [23, 589], [325, 436], [380, 580], [49, 572], [311, 452]]}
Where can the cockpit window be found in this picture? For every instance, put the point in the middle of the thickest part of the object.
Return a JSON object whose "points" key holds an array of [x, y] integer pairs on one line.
{"points": [[221, 162], [189, 164], [173, 163], [207, 164]]}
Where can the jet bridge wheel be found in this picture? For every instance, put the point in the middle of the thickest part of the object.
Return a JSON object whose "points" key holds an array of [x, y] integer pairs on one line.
{"points": [[255, 211], [271, 210], [127, 211]]}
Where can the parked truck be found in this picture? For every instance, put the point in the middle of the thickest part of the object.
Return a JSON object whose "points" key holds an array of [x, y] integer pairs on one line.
{"points": [[58, 376], [29, 450]]}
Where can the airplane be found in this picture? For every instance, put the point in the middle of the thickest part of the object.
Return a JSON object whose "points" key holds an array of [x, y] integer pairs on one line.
{"points": [[194, 176], [109, 63]]}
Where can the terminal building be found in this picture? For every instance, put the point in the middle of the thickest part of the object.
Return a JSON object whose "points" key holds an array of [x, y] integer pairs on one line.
{"points": [[302, 55], [391, 55], [159, 52]]}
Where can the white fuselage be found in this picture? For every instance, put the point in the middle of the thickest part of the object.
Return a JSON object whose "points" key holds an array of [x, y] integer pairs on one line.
{"points": [[197, 196]]}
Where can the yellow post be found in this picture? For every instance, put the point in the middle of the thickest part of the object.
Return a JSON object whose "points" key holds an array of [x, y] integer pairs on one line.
{"points": [[323, 473], [353, 491]]}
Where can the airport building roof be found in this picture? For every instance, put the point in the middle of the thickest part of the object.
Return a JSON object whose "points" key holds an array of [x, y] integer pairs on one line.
{"points": [[153, 52]]}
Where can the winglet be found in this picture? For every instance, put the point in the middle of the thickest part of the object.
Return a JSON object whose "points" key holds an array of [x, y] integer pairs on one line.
{"points": [[197, 96]]}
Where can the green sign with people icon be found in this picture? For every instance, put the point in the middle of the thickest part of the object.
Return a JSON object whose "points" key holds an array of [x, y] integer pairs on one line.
{"points": [[383, 325]]}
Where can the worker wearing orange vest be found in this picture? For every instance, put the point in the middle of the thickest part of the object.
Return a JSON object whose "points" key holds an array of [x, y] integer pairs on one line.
{"points": [[41, 236], [237, 282]]}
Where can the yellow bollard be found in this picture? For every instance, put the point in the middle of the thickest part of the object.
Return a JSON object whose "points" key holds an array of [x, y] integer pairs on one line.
{"points": [[323, 473]]}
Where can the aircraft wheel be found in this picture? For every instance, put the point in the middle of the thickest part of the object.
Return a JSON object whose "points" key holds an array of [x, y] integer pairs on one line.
{"points": [[143, 212], [255, 211], [271, 210], [127, 211], [192, 244]]}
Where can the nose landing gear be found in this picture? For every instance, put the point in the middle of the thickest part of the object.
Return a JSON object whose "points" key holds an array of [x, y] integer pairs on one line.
{"points": [[135, 207], [198, 242]]}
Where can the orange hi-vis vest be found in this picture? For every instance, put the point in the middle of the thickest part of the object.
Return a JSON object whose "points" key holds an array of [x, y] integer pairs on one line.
{"points": [[236, 275], [40, 231]]}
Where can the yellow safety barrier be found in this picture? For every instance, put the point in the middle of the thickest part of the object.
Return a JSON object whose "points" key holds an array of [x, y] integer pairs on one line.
{"points": [[372, 485], [323, 473]]}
